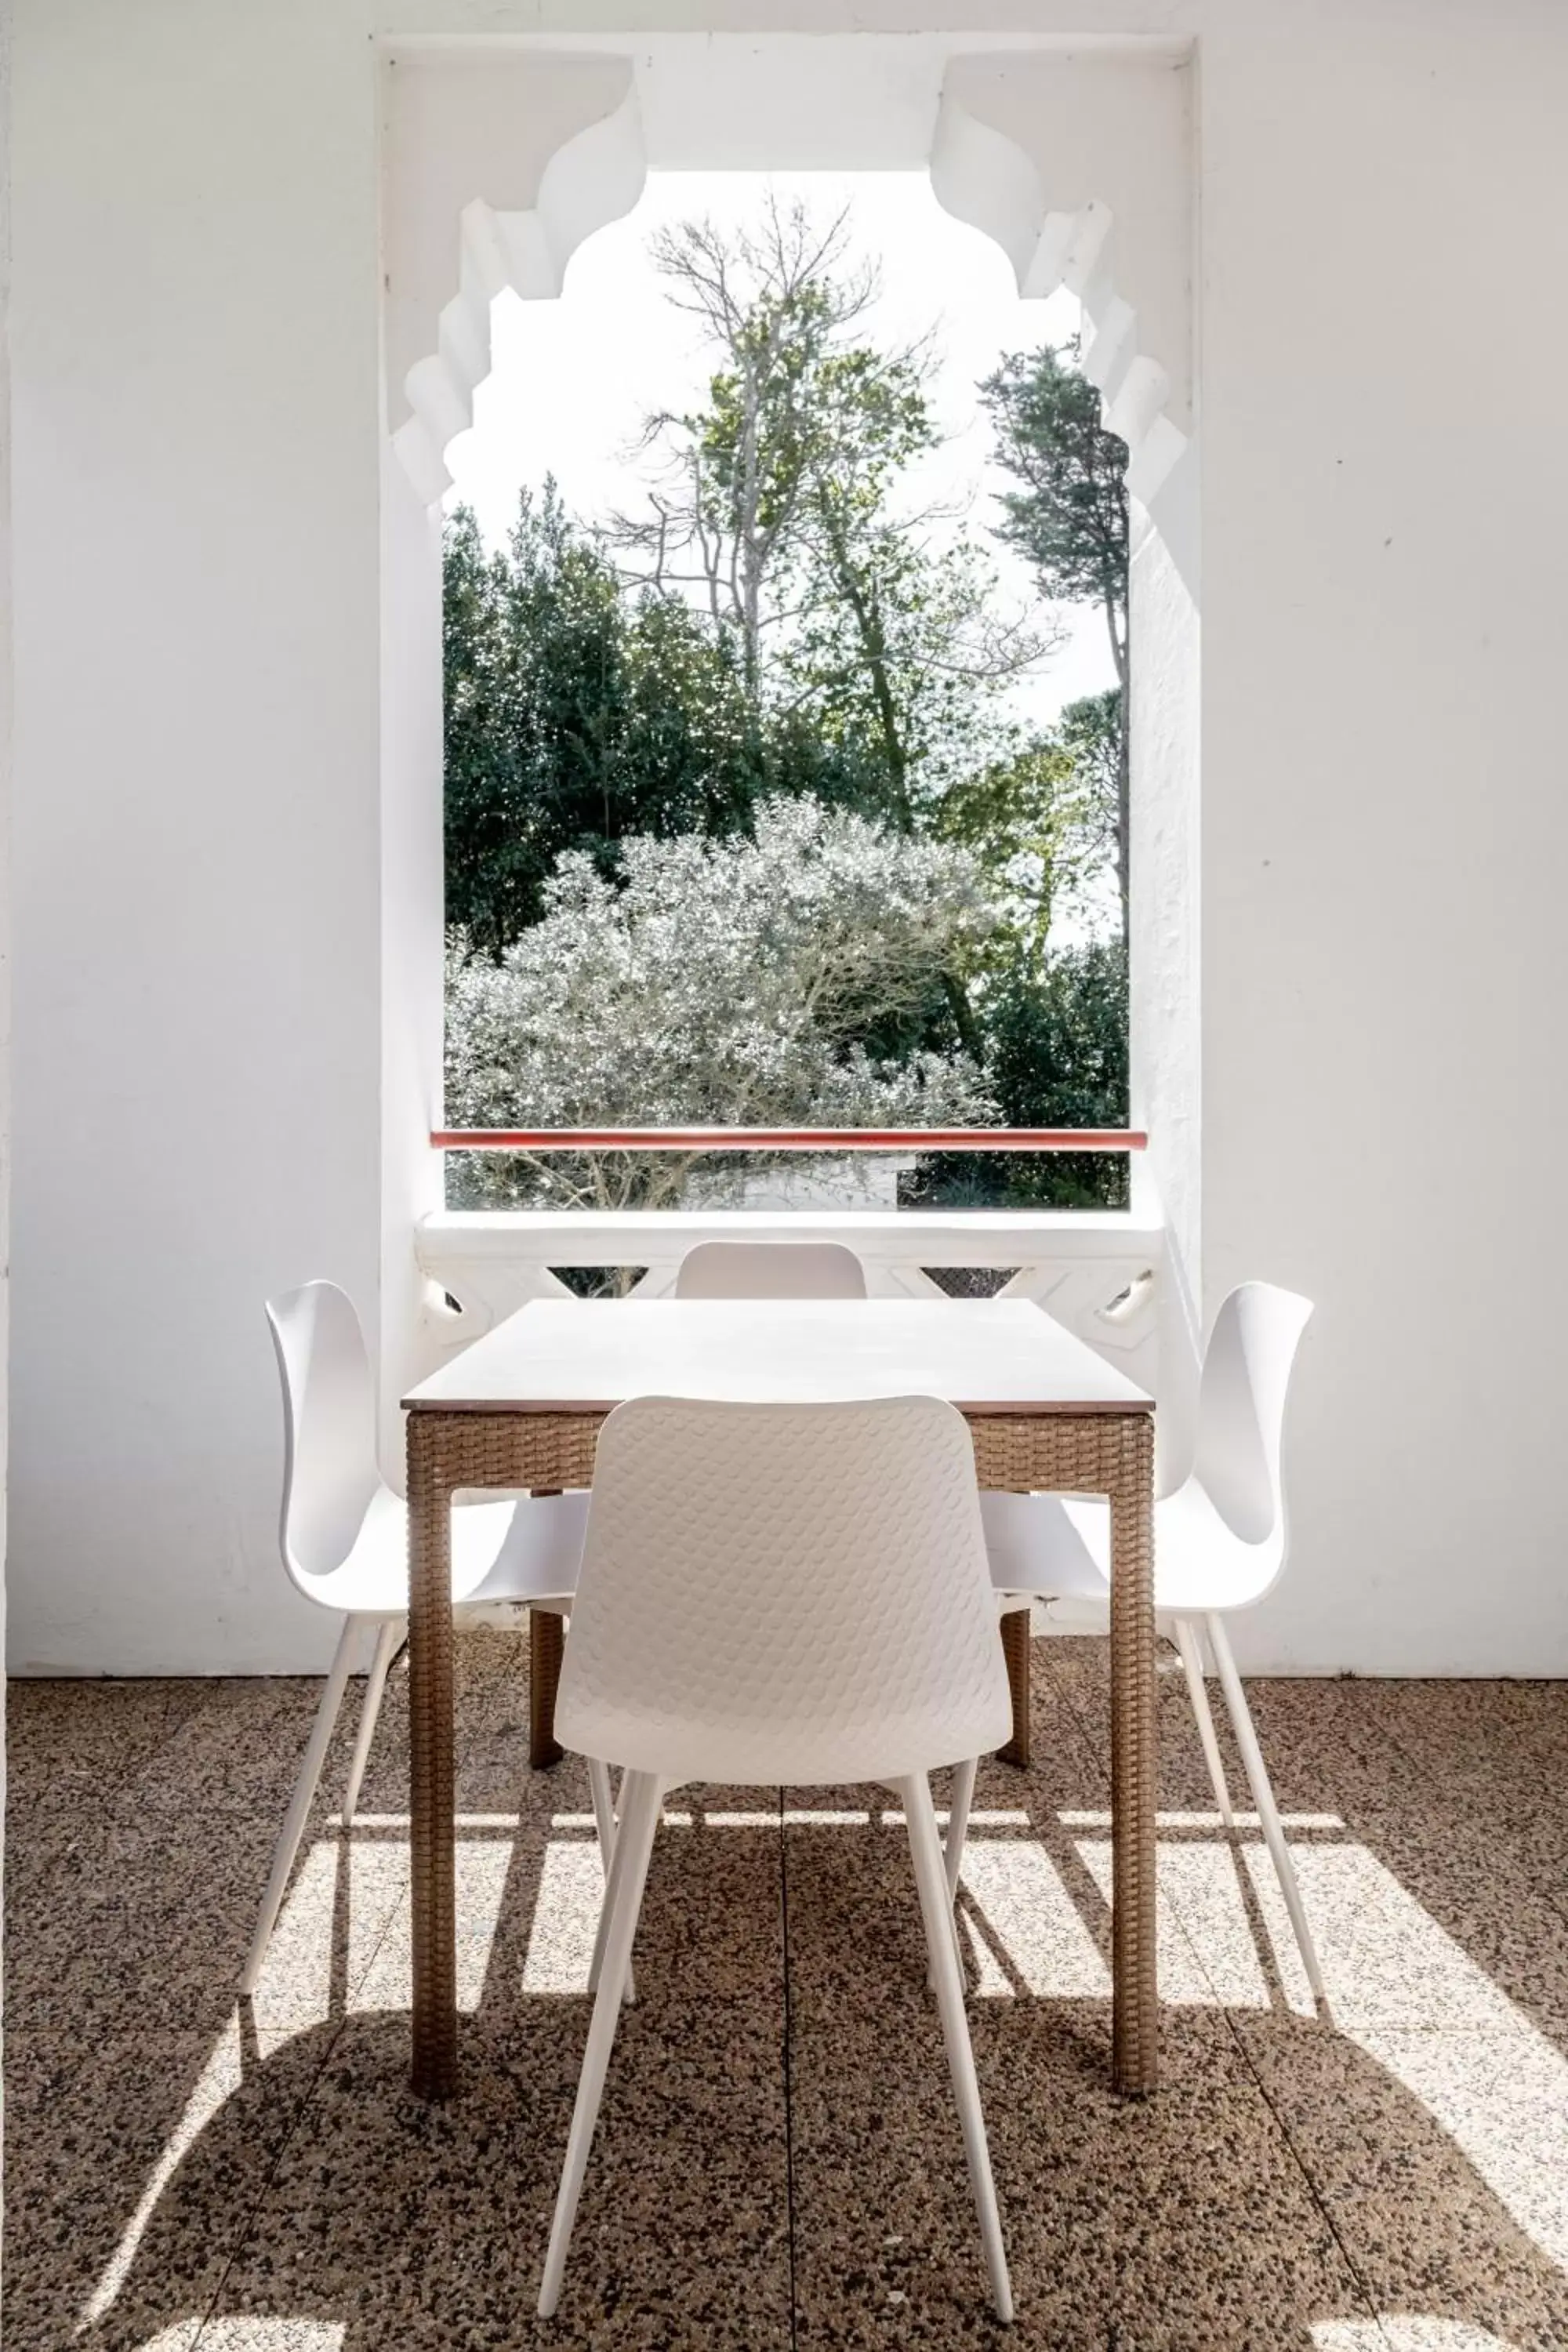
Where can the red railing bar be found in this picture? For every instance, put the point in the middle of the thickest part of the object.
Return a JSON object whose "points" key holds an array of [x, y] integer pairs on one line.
{"points": [[789, 1138]]}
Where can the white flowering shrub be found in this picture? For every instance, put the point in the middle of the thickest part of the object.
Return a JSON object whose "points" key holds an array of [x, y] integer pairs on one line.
{"points": [[716, 983]]}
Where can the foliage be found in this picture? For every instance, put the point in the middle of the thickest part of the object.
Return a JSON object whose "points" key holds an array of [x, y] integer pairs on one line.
{"points": [[1032, 821], [1069, 518], [1056, 1056], [741, 829], [721, 981], [1089, 734], [899, 649], [789, 406], [1058, 1040], [576, 715], [779, 510]]}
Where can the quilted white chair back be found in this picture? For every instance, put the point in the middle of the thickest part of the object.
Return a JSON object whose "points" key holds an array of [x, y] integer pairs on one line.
{"points": [[1241, 1410], [329, 1473], [770, 1270], [784, 1593]]}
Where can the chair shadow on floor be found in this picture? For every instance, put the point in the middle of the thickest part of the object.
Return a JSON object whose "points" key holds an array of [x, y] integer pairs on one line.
{"points": [[759, 2152], [1295, 2183]]}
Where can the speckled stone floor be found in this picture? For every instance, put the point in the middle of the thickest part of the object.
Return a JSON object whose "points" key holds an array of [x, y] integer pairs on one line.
{"points": [[778, 2163]]}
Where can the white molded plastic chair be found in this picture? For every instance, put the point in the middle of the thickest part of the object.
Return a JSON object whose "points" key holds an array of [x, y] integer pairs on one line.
{"points": [[770, 1270], [801, 1270], [1219, 1544], [344, 1539], [786, 1595]]}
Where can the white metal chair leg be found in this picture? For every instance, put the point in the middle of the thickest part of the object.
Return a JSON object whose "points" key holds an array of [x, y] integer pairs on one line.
{"points": [[937, 1911], [963, 1797], [607, 1906], [1185, 1633], [604, 1821], [958, 1821], [1263, 1797], [293, 1828], [628, 1875], [387, 1642]]}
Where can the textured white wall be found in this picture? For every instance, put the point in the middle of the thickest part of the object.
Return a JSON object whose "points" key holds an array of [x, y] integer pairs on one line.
{"points": [[207, 885], [1384, 826], [5, 699], [1165, 929], [197, 826], [413, 1176]]}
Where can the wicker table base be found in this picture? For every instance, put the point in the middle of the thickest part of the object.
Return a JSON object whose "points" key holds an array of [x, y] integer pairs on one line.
{"points": [[1084, 1453]]}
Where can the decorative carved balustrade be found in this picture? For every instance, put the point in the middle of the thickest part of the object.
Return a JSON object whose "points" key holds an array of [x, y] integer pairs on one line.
{"points": [[1098, 1273]]}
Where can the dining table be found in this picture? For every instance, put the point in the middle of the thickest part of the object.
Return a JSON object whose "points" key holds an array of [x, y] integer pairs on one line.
{"points": [[519, 1410]]}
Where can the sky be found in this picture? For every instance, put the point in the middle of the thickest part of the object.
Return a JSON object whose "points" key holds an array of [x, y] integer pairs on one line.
{"points": [[572, 380]]}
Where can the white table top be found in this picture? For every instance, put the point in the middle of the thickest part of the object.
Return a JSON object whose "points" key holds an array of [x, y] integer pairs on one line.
{"points": [[986, 1355]]}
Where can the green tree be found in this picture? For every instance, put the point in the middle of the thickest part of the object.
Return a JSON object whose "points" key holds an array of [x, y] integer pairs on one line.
{"points": [[1056, 1056], [1029, 819], [1068, 517], [780, 510], [790, 403], [577, 714], [781, 626]]}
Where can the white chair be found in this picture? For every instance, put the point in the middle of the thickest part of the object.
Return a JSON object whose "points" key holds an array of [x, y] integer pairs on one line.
{"points": [[798, 1270], [770, 1270], [786, 1595], [346, 1545], [1219, 1544]]}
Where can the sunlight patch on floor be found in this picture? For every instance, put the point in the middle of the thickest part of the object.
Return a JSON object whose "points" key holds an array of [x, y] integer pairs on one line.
{"points": [[1028, 1927], [566, 1920], [1205, 1951], [262, 2334], [482, 1866], [1385, 1960], [1210, 1821], [1400, 1987], [1403, 2332], [1503, 2099], [294, 1991]]}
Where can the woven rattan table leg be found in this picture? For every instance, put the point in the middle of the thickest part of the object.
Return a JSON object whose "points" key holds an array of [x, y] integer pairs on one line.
{"points": [[1135, 2026], [1015, 1650], [546, 1649], [431, 1772]]}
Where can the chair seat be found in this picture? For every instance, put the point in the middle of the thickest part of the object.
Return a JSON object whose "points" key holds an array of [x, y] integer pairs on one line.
{"points": [[1050, 1547], [528, 1551], [1057, 1548]]}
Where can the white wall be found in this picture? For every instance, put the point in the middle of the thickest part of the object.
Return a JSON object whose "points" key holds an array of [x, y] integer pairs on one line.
{"points": [[5, 700], [413, 1176], [200, 842], [1163, 964], [1385, 823], [196, 838]]}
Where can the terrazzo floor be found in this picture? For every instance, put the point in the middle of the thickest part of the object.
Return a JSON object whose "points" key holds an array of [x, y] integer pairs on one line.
{"points": [[778, 2162]]}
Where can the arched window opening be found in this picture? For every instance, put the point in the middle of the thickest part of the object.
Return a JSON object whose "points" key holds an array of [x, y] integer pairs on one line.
{"points": [[785, 736]]}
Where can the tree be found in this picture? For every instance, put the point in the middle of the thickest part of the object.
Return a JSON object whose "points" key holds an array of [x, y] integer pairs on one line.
{"points": [[1056, 1056], [899, 645], [860, 620], [1031, 820], [576, 713], [781, 644], [779, 508], [1068, 517], [728, 983], [787, 404]]}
